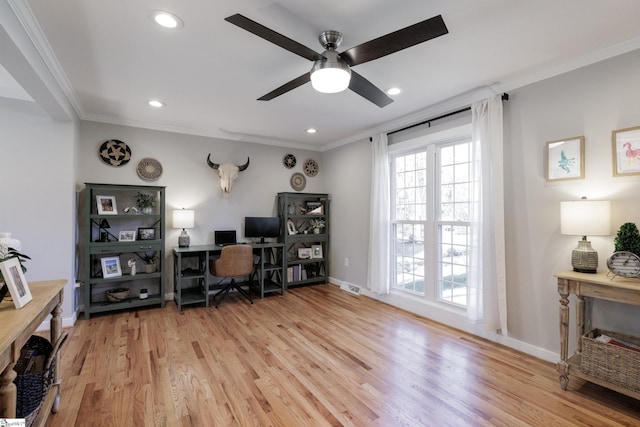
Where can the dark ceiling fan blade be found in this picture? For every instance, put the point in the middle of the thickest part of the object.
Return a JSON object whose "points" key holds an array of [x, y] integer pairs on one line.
{"points": [[273, 37], [366, 89], [396, 41], [297, 82]]}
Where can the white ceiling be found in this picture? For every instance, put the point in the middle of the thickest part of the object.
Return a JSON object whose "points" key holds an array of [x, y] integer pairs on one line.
{"points": [[109, 59]]}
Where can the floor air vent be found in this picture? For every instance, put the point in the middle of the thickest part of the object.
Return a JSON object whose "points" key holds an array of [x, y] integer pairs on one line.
{"points": [[350, 287]]}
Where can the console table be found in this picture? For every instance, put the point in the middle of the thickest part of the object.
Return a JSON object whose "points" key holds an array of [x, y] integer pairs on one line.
{"points": [[192, 279], [16, 327], [618, 289]]}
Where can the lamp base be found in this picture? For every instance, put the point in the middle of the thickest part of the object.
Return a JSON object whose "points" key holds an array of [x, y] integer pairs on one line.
{"points": [[183, 239], [584, 259]]}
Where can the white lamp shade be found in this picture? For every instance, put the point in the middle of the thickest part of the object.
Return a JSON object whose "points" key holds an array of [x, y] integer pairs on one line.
{"points": [[585, 218], [330, 80], [183, 218]]}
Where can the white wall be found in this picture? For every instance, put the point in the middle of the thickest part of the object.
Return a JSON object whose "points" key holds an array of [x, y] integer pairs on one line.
{"points": [[190, 182], [592, 102], [37, 161]]}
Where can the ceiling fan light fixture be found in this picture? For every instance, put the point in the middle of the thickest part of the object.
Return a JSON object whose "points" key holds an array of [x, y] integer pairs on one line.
{"points": [[331, 75]]}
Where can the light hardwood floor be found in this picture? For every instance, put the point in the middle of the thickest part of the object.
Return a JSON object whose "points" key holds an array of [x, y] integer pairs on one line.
{"points": [[318, 356]]}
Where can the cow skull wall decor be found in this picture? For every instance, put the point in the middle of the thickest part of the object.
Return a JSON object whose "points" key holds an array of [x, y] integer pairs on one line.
{"points": [[227, 172]]}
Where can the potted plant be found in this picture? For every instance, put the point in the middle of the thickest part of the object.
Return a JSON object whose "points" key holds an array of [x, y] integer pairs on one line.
{"points": [[145, 202], [149, 262], [628, 238], [316, 224]]}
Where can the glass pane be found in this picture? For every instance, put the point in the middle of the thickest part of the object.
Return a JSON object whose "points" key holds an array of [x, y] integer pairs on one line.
{"points": [[446, 175], [462, 152], [446, 156]]}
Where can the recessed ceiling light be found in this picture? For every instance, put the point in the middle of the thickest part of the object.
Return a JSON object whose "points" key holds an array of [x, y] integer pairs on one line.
{"points": [[166, 19], [394, 91], [155, 103], [311, 130]]}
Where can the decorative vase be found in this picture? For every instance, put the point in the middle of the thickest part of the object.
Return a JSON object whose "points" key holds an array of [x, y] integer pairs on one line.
{"points": [[147, 211], [149, 268], [316, 231]]}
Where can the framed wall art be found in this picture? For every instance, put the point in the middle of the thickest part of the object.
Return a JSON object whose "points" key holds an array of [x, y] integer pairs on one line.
{"points": [[565, 159], [17, 284], [106, 205], [626, 151], [111, 267]]}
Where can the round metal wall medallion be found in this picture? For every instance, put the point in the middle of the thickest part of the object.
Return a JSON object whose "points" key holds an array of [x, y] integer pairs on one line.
{"points": [[298, 181], [149, 169], [310, 167], [114, 152], [289, 161]]}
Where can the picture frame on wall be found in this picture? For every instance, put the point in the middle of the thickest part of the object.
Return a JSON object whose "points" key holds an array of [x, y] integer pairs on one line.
{"points": [[626, 151], [106, 205], [16, 282], [111, 267], [565, 159]]}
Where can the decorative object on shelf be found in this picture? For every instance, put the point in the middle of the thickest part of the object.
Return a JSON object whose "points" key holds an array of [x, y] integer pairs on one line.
{"points": [[565, 159], [315, 208], [106, 205], [145, 202], [132, 265], [127, 236], [146, 233], [144, 294], [289, 161], [12, 274], [115, 153], [304, 253], [111, 267], [317, 224], [316, 251], [117, 295], [149, 169], [585, 218], [626, 151], [183, 218], [131, 209], [10, 248], [310, 167], [624, 263], [149, 262], [227, 172], [298, 181], [291, 228]]}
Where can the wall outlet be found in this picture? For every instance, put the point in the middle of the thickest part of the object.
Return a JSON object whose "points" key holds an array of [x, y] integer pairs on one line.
{"points": [[346, 262]]}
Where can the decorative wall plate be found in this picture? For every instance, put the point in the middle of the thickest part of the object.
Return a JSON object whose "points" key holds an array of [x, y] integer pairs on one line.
{"points": [[289, 161], [310, 167], [149, 169], [114, 152], [298, 181]]}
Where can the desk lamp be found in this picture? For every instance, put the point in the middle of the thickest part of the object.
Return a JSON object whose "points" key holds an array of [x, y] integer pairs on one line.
{"points": [[585, 218], [183, 218]]}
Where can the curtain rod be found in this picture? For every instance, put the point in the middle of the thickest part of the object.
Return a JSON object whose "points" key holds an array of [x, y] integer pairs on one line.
{"points": [[505, 97]]}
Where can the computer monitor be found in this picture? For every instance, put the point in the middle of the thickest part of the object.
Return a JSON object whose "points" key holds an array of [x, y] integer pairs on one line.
{"points": [[225, 237], [261, 226]]}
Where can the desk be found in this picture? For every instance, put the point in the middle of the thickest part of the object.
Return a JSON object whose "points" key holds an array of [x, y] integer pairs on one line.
{"points": [[192, 280], [16, 327], [584, 285]]}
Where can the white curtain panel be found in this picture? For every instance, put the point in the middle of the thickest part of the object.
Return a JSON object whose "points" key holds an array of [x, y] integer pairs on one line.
{"points": [[487, 275], [379, 224]]}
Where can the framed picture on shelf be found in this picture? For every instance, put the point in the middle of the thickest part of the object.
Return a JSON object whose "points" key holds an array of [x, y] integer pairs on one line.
{"points": [[565, 159], [316, 251], [127, 236], [106, 205], [146, 233], [111, 267], [626, 151], [17, 284], [315, 208], [304, 253]]}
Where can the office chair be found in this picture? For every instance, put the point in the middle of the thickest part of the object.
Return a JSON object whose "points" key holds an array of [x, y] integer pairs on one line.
{"points": [[235, 260]]}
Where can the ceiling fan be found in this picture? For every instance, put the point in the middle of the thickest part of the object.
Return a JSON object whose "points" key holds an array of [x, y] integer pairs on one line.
{"points": [[337, 65]]}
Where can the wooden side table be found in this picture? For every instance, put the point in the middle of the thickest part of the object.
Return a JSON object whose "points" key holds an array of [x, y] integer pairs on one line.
{"points": [[618, 289], [16, 327]]}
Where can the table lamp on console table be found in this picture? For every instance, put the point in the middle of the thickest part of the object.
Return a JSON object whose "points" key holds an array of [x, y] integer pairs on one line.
{"points": [[183, 218]]}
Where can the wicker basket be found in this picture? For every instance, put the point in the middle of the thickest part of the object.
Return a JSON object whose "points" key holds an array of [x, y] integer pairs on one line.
{"points": [[118, 295], [33, 387], [614, 364]]}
